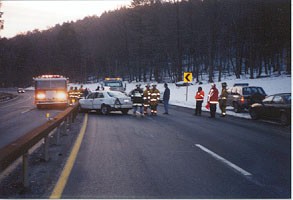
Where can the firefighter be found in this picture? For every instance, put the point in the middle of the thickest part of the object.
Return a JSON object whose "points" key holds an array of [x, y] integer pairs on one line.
{"points": [[146, 99], [154, 100], [213, 100], [199, 100], [71, 95], [223, 99], [76, 93], [81, 92], [137, 99]]}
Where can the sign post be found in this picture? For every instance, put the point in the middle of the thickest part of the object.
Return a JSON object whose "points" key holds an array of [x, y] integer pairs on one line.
{"points": [[187, 78]]}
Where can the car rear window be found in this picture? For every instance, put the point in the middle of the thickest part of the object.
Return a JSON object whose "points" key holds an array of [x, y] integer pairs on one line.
{"points": [[116, 94], [253, 90]]}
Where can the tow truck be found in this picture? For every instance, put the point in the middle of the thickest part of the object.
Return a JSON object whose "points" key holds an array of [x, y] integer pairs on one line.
{"points": [[114, 84], [50, 90]]}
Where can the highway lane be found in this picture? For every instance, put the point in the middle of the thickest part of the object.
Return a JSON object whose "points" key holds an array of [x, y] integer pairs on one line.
{"points": [[20, 115], [181, 156]]}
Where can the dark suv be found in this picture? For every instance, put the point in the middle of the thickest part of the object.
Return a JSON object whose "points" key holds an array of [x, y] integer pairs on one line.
{"points": [[241, 96]]}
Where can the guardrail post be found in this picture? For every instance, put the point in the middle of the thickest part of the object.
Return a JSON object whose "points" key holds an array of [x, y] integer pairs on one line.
{"points": [[57, 141], [72, 117], [46, 149], [68, 122], [65, 127], [25, 181]]}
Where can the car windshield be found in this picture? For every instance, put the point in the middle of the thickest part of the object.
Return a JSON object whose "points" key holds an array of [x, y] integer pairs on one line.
{"points": [[287, 98], [253, 90], [116, 94], [48, 84]]}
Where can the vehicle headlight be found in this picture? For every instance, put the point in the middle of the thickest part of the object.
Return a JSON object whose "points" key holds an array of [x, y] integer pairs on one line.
{"points": [[41, 96], [61, 96]]}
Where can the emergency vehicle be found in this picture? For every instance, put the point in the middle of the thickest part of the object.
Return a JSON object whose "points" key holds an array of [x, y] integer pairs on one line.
{"points": [[51, 90], [114, 84]]}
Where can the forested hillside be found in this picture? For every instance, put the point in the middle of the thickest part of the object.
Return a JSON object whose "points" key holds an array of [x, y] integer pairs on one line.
{"points": [[158, 39]]}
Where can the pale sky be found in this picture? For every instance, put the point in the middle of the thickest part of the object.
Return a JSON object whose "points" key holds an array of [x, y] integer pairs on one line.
{"points": [[23, 16]]}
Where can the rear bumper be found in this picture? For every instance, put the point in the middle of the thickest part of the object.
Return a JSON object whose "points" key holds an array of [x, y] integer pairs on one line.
{"points": [[119, 107], [51, 102]]}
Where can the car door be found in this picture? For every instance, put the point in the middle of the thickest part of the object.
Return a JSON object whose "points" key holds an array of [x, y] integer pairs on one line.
{"points": [[267, 107], [87, 103], [277, 105], [99, 99]]}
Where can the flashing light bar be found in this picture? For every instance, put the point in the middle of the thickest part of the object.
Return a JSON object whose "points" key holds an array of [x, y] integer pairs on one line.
{"points": [[113, 79], [50, 76]]}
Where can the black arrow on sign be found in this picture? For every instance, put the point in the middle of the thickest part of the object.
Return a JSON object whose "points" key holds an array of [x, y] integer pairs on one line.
{"points": [[187, 77]]}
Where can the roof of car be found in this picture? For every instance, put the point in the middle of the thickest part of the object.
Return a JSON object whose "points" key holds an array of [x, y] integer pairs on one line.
{"points": [[106, 91], [240, 84], [281, 94]]}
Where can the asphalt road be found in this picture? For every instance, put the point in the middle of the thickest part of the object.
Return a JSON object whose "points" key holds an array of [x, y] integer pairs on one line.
{"points": [[20, 115], [181, 156]]}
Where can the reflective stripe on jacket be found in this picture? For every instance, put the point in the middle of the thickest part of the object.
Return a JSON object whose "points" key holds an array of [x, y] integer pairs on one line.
{"points": [[155, 96]]}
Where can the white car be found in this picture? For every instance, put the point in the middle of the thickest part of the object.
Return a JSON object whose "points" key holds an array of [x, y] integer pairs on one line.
{"points": [[106, 101], [182, 83]]}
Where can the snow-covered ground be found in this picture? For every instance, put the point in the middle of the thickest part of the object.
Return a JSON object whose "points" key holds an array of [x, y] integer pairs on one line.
{"points": [[271, 85]]}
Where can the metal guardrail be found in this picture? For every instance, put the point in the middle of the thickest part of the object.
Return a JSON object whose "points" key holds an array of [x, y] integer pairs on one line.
{"points": [[22, 145]]}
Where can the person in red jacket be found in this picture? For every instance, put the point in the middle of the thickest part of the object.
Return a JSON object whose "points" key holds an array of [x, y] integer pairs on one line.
{"points": [[213, 100], [199, 100]]}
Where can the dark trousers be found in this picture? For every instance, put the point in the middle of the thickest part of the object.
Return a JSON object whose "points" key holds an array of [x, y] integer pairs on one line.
{"points": [[198, 107], [166, 105], [213, 108]]}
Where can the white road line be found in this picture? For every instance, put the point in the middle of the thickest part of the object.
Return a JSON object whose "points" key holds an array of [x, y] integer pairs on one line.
{"points": [[223, 160], [26, 111], [17, 102]]}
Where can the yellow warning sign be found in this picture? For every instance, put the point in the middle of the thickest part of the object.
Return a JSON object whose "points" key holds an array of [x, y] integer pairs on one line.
{"points": [[187, 78]]}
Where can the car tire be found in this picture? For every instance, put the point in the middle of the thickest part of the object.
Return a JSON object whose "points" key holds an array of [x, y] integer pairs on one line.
{"points": [[124, 111], [253, 114], [105, 110], [284, 119], [236, 107]]}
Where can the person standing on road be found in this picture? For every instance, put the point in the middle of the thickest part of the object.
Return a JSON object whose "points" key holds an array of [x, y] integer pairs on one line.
{"points": [[137, 99], [199, 100], [81, 92], [223, 99], [154, 100], [71, 95], [86, 92], [146, 99], [166, 98], [213, 100]]}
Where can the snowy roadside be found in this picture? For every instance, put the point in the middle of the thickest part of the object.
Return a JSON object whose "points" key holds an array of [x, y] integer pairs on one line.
{"points": [[271, 85]]}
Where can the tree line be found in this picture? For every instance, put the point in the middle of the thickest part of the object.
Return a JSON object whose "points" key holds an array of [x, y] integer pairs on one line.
{"points": [[158, 40]]}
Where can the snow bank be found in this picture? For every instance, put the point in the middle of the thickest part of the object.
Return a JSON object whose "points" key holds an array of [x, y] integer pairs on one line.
{"points": [[271, 85]]}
